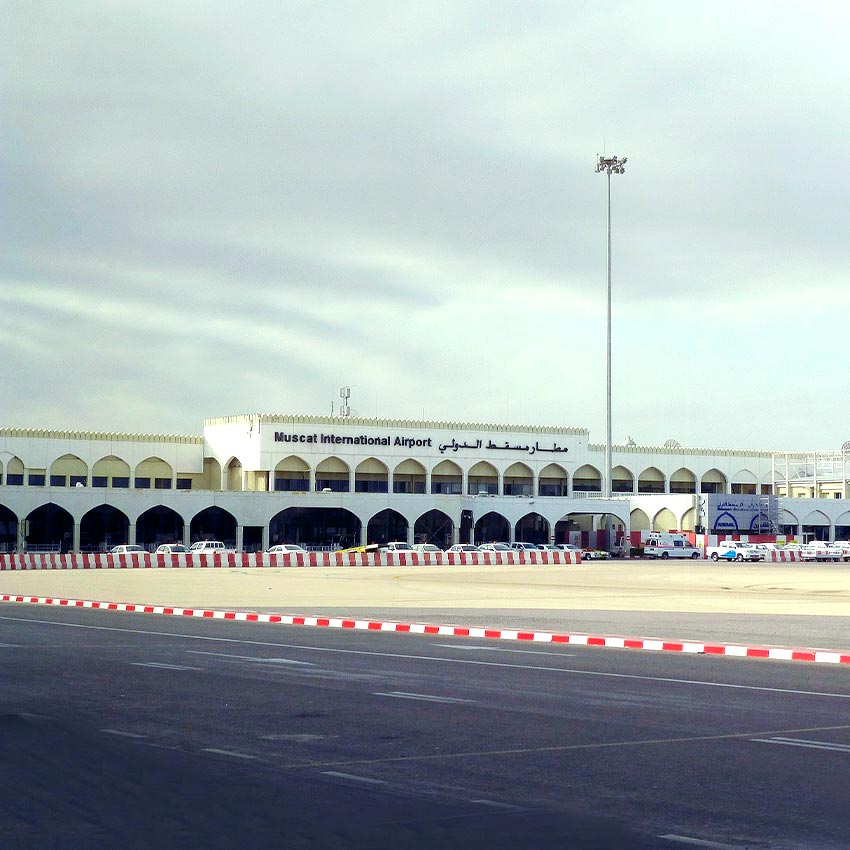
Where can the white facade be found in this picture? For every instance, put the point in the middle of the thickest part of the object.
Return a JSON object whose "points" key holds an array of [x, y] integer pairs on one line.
{"points": [[266, 476]]}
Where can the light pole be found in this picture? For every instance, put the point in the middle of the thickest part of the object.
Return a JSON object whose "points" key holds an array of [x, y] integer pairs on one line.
{"points": [[610, 165]]}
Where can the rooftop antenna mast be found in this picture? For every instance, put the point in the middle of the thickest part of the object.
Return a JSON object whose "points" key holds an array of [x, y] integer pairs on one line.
{"points": [[344, 394]]}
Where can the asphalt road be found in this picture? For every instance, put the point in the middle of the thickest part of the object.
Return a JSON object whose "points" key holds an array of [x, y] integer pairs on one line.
{"points": [[134, 731]]}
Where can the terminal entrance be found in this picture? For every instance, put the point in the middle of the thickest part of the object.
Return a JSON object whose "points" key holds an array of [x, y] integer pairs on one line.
{"points": [[491, 528], [102, 528], [434, 527], [329, 528], [212, 524], [50, 529], [386, 526], [161, 525], [8, 530]]}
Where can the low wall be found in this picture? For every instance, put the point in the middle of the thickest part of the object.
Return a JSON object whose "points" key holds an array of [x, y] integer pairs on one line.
{"points": [[147, 560], [783, 557]]}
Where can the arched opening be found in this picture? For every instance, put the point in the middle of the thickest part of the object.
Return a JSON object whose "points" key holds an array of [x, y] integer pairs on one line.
{"points": [[492, 528], [164, 525], [409, 477], [333, 474], [532, 528], [638, 520], [553, 481], [815, 527], [651, 480], [292, 474], [665, 520], [689, 520], [714, 481], [50, 529], [842, 526], [8, 530], [483, 479], [587, 479], [744, 482], [518, 480], [14, 472], [683, 481], [315, 528], [68, 471], [434, 527], [788, 524], [213, 523], [211, 475], [111, 471], [233, 475], [446, 478], [385, 526], [371, 476], [102, 528], [622, 480], [153, 473]]}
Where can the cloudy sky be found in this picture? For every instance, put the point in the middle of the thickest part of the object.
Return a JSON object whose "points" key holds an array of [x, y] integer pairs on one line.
{"points": [[223, 207]]}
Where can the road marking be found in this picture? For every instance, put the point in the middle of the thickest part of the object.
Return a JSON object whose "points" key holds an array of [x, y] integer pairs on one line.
{"points": [[338, 775], [502, 649], [700, 842], [121, 733], [231, 753], [161, 666], [436, 659], [423, 697], [497, 805], [602, 745], [802, 742], [304, 738], [254, 658]]}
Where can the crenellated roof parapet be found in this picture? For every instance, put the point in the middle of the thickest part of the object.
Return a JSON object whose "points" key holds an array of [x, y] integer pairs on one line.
{"points": [[104, 436]]}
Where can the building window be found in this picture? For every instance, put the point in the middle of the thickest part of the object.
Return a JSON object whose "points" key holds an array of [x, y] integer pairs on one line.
{"points": [[184, 483], [36, 479], [14, 479], [78, 480], [162, 483], [121, 481], [142, 484], [98, 481], [57, 481]]}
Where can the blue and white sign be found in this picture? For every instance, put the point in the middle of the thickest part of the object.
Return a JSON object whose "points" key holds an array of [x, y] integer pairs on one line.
{"points": [[739, 514]]}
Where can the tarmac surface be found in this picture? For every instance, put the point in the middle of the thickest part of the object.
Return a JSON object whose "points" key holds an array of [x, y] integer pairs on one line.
{"points": [[777, 604]]}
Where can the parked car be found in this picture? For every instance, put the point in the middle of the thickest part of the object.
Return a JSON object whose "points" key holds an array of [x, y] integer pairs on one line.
{"points": [[524, 547], [734, 550], [593, 554], [425, 548], [495, 547], [284, 548], [209, 547], [396, 546], [548, 547], [126, 549], [463, 547], [171, 549]]}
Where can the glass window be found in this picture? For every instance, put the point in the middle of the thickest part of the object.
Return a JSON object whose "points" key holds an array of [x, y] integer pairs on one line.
{"points": [[36, 479], [184, 483], [78, 479], [142, 483], [98, 481], [120, 481], [14, 479], [162, 483], [57, 480]]}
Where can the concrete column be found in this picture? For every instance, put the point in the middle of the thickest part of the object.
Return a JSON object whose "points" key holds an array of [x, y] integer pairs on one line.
{"points": [[456, 533], [428, 482], [535, 485], [244, 483], [364, 533], [500, 484], [75, 545], [799, 534], [390, 480], [464, 483], [265, 537], [832, 532], [131, 533], [239, 535], [22, 525], [351, 481], [410, 527]]}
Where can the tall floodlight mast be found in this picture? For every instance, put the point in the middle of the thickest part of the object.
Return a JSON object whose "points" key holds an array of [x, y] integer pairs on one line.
{"points": [[610, 165]]}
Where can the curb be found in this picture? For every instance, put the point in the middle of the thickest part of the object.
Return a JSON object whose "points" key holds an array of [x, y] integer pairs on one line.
{"points": [[605, 641]]}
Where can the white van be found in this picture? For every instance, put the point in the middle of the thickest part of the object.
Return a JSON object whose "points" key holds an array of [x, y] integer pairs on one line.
{"points": [[396, 546], [209, 547], [734, 550]]}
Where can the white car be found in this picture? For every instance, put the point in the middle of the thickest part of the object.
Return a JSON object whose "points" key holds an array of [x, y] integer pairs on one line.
{"points": [[284, 548], [426, 548], [171, 549], [524, 547], [463, 547], [593, 554], [495, 547], [549, 547], [396, 546], [208, 547], [127, 549], [734, 550]]}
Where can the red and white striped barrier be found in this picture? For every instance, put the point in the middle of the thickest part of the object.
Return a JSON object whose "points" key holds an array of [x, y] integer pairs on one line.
{"points": [[147, 560], [782, 557], [607, 641]]}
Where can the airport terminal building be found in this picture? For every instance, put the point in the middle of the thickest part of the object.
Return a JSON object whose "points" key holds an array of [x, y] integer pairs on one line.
{"points": [[328, 482]]}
